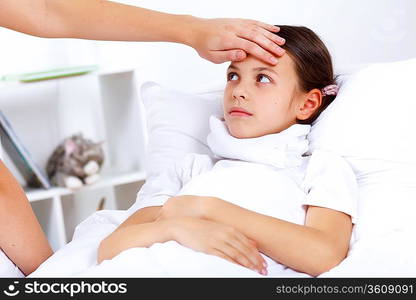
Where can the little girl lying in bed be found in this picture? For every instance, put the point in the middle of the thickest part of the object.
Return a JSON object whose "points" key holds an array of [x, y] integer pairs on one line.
{"points": [[261, 203], [262, 206]]}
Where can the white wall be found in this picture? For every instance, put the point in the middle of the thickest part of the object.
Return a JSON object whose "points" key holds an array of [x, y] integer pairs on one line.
{"points": [[355, 31]]}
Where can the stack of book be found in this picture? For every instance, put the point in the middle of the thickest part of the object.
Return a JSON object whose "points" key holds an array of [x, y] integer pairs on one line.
{"points": [[31, 172]]}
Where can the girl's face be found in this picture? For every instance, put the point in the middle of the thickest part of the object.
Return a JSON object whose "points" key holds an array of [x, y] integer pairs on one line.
{"points": [[260, 99]]}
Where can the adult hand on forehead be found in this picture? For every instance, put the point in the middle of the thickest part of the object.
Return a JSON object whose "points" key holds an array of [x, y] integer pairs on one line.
{"points": [[217, 40], [221, 40]]}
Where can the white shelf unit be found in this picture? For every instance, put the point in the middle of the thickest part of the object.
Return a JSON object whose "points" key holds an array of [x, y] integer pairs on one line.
{"points": [[104, 106]]}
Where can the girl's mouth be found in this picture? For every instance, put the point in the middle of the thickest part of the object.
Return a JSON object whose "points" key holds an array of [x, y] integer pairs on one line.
{"points": [[239, 112]]}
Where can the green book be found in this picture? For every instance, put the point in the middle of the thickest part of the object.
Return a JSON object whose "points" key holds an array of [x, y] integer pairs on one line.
{"points": [[50, 74]]}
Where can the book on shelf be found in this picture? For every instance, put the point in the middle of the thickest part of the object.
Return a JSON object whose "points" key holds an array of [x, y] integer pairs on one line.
{"points": [[20, 156]]}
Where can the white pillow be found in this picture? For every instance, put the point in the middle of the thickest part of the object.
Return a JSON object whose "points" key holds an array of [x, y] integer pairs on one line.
{"points": [[371, 125], [177, 123], [372, 116]]}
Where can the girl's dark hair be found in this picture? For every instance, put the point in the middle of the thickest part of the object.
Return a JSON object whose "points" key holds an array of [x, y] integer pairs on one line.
{"points": [[313, 62]]}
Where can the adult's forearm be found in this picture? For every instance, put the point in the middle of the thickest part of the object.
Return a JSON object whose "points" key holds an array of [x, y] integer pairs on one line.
{"points": [[21, 236], [93, 19], [106, 20]]}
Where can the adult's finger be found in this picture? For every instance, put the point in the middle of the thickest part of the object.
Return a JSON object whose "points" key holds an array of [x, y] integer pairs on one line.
{"points": [[269, 42], [264, 38], [251, 32], [269, 27], [274, 38], [220, 56], [257, 51], [252, 22]]}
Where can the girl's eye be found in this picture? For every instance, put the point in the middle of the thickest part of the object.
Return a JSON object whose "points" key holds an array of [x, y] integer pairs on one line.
{"points": [[263, 79], [232, 76]]}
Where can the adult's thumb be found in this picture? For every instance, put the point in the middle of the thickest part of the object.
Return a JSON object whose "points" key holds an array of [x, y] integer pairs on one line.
{"points": [[229, 55]]}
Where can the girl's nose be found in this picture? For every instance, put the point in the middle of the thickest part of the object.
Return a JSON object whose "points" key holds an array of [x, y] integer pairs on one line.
{"points": [[239, 93], [239, 97]]}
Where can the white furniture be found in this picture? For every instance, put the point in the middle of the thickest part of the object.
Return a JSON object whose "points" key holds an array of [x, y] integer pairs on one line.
{"points": [[104, 106]]}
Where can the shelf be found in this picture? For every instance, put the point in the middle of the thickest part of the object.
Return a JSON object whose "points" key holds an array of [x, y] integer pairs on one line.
{"points": [[13, 80], [104, 106], [50, 74], [34, 194]]}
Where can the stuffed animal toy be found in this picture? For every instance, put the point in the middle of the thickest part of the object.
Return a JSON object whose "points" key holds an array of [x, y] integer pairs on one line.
{"points": [[75, 162]]}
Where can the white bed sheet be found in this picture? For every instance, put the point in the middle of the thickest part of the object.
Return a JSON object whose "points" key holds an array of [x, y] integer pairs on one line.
{"points": [[390, 255], [168, 259], [8, 268]]}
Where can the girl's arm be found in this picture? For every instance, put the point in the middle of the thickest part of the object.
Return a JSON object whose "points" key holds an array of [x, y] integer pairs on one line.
{"points": [[21, 237], [200, 235], [313, 248], [217, 40], [138, 230], [128, 234]]}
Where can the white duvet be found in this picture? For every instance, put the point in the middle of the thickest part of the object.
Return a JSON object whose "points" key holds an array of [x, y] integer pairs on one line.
{"points": [[170, 259], [381, 250], [388, 255]]}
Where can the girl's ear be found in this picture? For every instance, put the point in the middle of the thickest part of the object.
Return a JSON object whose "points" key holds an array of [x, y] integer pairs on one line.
{"points": [[309, 104]]}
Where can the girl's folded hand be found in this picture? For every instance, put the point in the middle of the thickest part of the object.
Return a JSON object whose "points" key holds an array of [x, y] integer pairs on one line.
{"points": [[218, 239]]}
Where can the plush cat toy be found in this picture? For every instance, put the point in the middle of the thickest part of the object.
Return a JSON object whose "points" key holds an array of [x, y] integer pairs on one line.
{"points": [[75, 162]]}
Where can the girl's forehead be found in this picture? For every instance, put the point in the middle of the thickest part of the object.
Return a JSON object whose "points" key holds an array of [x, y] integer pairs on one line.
{"points": [[285, 63]]}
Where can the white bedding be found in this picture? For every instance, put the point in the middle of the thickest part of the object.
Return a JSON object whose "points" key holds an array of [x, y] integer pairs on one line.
{"points": [[389, 255], [8, 268], [170, 259]]}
